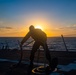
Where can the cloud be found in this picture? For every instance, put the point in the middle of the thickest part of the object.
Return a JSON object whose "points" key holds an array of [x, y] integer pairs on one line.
{"points": [[71, 27], [74, 25], [2, 28], [8, 28]]}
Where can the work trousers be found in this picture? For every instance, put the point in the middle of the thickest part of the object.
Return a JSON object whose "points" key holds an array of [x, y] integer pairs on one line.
{"points": [[36, 46]]}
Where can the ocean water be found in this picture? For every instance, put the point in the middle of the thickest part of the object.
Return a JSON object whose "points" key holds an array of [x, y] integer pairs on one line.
{"points": [[54, 43]]}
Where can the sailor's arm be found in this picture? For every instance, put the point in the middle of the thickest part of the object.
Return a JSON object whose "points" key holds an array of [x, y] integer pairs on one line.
{"points": [[25, 38]]}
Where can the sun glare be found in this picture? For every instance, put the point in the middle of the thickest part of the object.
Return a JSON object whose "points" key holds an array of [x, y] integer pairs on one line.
{"points": [[38, 26]]}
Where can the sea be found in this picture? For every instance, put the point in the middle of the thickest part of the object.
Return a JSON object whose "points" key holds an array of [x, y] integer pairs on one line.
{"points": [[54, 43]]}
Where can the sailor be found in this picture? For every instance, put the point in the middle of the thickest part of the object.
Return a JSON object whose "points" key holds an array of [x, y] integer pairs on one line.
{"points": [[40, 39]]}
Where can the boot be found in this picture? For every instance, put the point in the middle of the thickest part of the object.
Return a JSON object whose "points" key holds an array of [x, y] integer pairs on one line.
{"points": [[54, 63], [30, 68]]}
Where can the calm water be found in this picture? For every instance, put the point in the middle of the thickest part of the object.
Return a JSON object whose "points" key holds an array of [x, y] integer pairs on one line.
{"points": [[54, 43]]}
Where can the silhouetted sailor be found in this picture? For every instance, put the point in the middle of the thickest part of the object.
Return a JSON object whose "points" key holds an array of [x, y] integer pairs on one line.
{"points": [[40, 40]]}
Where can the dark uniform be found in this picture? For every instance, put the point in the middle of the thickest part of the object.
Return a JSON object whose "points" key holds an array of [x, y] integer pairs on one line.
{"points": [[40, 40]]}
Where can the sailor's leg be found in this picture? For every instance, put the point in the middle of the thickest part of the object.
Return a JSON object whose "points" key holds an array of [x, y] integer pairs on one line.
{"points": [[34, 49], [47, 52]]}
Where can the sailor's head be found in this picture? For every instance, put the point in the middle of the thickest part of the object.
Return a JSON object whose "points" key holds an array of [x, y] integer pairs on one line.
{"points": [[31, 28]]}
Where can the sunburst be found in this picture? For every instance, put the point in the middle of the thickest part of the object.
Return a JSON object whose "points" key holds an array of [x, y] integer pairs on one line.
{"points": [[39, 27]]}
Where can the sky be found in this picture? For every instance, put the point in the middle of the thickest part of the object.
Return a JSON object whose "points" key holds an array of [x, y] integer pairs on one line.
{"points": [[55, 17]]}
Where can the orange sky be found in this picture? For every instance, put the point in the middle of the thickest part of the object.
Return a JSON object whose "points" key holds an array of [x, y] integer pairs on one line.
{"points": [[21, 31], [55, 17], [20, 28]]}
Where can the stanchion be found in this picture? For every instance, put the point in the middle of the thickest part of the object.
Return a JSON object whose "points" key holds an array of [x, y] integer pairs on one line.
{"points": [[21, 51]]}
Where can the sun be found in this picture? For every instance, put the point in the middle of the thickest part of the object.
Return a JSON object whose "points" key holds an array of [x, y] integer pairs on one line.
{"points": [[39, 27]]}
